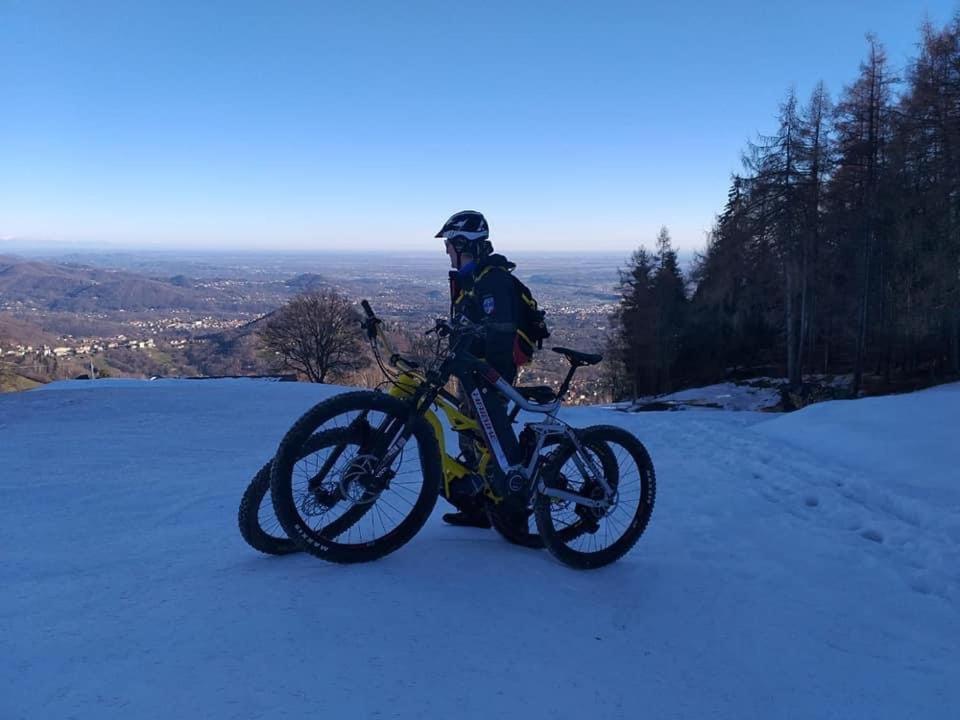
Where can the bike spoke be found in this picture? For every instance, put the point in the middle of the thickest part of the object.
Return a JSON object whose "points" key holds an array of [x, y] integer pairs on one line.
{"points": [[584, 532], [378, 512]]}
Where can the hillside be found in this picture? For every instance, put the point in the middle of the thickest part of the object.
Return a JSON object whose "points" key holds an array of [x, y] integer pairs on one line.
{"points": [[237, 351], [78, 288], [16, 373], [15, 331], [782, 576]]}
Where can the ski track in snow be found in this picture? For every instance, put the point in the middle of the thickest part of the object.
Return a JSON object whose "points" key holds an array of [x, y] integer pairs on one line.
{"points": [[773, 581]]}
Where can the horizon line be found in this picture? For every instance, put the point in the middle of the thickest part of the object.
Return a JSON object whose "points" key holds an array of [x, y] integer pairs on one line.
{"points": [[27, 246]]}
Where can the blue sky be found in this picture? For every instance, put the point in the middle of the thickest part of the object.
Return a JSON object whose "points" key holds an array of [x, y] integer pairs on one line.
{"points": [[362, 125]]}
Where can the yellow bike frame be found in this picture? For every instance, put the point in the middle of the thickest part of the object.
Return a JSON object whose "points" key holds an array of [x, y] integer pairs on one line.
{"points": [[404, 385]]}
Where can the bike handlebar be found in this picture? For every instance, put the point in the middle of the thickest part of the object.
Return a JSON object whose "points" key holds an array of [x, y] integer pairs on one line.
{"points": [[372, 326], [459, 325]]}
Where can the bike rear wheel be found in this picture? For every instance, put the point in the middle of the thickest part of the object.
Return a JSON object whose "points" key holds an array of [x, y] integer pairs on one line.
{"points": [[349, 501], [586, 537], [259, 526], [524, 531]]}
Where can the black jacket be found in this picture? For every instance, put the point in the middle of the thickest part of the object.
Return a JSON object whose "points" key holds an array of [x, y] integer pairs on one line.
{"points": [[485, 293]]}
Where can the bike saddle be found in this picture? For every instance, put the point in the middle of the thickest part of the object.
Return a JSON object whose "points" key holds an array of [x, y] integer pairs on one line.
{"points": [[575, 357], [537, 393]]}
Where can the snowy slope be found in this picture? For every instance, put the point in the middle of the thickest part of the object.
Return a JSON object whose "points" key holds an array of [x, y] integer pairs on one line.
{"points": [[909, 440], [728, 396], [792, 569], [759, 393]]}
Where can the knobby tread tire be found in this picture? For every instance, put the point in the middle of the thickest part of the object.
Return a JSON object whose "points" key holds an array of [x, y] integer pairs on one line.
{"points": [[248, 516], [532, 540], [556, 541], [322, 544], [509, 532]]}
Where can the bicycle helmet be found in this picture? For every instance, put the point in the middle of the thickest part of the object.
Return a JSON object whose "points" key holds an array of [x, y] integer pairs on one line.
{"points": [[467, 231]]}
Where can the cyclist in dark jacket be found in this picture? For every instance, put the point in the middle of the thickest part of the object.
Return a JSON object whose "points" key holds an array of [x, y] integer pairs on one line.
{"points": [[482, 290]]}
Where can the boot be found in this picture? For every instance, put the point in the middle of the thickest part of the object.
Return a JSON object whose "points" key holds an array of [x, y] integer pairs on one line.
{"points": [[473, 518]]}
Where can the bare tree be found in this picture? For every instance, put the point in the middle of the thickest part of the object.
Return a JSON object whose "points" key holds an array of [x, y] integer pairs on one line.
{"points": [[316, 334]]}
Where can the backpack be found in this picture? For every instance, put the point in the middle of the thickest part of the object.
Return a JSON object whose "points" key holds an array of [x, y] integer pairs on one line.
{"points": [[531, 324]]}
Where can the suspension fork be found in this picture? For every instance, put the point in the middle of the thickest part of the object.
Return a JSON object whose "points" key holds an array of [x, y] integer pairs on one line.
{"points": [[398, 430], [358, 425]]}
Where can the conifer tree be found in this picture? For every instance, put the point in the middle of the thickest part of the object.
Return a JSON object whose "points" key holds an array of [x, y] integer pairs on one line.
{"points": [[670, 298], [636, 341]]}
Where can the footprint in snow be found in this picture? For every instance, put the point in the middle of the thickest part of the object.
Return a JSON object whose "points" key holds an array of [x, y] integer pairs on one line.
{"points": [[921, 584], [873, 535]]}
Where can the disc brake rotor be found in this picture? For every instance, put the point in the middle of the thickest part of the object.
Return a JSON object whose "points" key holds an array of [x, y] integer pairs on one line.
{"points": [[359, 482]]}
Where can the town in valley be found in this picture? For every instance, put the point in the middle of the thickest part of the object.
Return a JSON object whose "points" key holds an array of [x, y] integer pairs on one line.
{"points": [[105, 313]]}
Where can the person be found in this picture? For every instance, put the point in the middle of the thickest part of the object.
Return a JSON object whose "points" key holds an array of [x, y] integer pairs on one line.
{"points": [[483, 291]]}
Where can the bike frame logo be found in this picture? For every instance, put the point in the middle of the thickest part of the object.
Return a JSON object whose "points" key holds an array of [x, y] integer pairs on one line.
{"points": [[488, 430]]}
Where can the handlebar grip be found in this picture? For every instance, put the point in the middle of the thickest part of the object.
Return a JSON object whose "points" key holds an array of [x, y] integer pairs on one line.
{"points": [[367, 309]]}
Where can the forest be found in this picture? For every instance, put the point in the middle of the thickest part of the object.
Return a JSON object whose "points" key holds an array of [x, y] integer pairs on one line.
{"points": [[837, 251]]}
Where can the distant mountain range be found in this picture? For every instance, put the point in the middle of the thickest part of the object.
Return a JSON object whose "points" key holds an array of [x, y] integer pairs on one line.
{"points": [[78, 288]]}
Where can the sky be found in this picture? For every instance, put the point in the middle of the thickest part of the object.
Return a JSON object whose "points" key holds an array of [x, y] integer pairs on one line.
{"points": [[364, 125]]}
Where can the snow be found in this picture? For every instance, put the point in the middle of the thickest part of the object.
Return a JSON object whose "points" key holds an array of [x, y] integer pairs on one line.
{"points": [[909, 440], [799, 566], [755, 394], [725, 396]]}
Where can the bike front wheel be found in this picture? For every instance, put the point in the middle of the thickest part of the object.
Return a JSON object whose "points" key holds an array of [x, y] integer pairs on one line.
{"points": [[368, 489], [258, 522]]}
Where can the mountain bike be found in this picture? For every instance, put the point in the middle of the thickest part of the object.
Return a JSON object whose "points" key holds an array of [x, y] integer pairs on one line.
{"points": [[358, 474], [462, 481], [462, 484]]}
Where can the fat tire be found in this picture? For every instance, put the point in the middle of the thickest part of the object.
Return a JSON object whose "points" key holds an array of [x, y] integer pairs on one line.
{"points": [[322, 544]]}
